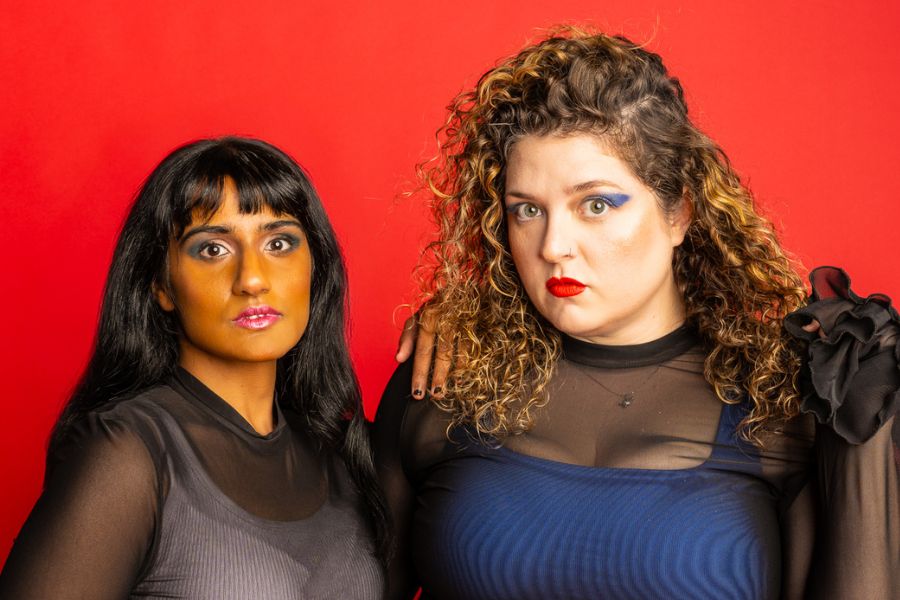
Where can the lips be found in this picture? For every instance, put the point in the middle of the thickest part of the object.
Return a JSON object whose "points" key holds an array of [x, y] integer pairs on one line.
{"points": [[257, 317], [564, 287]]}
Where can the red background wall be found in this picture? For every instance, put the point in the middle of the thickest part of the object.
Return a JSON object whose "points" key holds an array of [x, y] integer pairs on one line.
{"points": [[802, 95]]}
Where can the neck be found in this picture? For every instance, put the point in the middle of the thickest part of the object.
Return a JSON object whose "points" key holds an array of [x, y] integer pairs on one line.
{"points": [[662, 315], [249, 387]]}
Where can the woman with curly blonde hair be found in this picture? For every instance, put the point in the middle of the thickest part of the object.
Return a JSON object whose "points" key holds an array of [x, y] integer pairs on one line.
{"points": [[626, 341]]}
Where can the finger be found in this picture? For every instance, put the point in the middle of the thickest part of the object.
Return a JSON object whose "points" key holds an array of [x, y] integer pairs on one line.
{"points": [[441, 368], [407, 341], [423, 353], [812, 326]]}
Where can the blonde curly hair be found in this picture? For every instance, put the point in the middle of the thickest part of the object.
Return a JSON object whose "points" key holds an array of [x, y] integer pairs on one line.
{"points": [[736, 281]]}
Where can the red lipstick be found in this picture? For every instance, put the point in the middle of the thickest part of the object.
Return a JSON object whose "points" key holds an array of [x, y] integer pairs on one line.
{"points": [[257, 317], [564, 287]]}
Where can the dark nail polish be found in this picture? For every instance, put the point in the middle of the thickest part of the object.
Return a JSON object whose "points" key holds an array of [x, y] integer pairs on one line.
{"points": [[437, 390], [417, 393]]}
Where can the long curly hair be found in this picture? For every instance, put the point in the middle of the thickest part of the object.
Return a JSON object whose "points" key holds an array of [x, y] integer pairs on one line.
{"points": [[737, 282]]}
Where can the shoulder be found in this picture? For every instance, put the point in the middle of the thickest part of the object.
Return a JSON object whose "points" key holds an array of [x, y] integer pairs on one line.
{"points": [[851, 375], [401, 413], [396, 396], [414, 432], [124, 437]]}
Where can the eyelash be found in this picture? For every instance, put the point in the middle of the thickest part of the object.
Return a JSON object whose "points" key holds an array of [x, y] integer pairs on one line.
{"points": [[606, 202], [515, 209], [292, 242], [200, 250]]}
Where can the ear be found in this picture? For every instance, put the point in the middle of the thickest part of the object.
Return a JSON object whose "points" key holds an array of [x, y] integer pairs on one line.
{"points": [[163, 297], [680, 220]]}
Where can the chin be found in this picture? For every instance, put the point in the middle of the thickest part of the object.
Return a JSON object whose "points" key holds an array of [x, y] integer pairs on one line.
{"points": [[577, 328], [251, 355], [573, 321]]}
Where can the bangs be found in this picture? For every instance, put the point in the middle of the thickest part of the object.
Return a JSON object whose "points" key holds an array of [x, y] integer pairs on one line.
{"points": [[263, 180]]}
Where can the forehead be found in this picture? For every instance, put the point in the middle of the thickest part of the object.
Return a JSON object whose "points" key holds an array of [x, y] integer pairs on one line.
{"points": [[561, 161], [228, 209]]}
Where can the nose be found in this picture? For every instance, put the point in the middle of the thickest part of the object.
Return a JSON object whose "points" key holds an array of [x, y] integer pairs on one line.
{"points": [[251, 278], [559, 240]]}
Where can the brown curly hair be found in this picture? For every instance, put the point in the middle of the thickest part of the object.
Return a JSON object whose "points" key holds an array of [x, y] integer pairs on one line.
{"points": [[737, 282]]}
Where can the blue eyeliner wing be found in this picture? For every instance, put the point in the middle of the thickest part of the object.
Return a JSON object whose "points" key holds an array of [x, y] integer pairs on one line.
{"points": [[616, 200]]}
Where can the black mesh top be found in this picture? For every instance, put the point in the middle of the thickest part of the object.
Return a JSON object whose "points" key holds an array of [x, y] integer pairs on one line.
{"points": [[172, 494], [633, 483]]}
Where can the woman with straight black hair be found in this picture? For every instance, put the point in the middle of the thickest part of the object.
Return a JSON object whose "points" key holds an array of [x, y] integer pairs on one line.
{"points": [[215, 446]]}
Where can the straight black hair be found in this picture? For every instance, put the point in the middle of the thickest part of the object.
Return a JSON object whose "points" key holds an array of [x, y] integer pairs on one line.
{"points": [[136, 346]]}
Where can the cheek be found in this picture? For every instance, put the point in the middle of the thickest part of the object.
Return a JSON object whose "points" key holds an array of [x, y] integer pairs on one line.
{"points": [[200, 293], [299, 293], [634, 247], [525, 251], [297, 277]]}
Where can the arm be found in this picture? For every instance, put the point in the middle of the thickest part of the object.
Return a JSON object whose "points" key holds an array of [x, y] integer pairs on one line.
{"points": [[857, 549], [841, 533], [388, 442], [851, 383], [91, 530]]}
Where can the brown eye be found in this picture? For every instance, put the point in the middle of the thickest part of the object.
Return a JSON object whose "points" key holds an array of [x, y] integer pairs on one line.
{"points": [[212, 250], [282, 244]]}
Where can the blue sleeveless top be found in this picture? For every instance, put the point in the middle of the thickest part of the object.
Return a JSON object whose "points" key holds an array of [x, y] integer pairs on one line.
{"points": [[493, 523], [513, 520], [632, 481]]}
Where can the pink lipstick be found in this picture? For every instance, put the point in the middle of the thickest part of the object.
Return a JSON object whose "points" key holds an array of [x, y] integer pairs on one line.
{"points": [[564, 287], [257, 317]]}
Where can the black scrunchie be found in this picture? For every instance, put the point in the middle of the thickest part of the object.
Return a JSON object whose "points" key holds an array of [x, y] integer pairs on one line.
{"points": [[851, 379]]}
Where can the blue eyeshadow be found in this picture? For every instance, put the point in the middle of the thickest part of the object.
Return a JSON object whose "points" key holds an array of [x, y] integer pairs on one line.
{"points": [[616, 200]]}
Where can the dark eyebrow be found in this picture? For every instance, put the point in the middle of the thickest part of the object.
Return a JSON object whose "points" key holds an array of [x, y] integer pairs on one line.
{"points": [[224, 230], [282, 223], [575, 189], [204, 229]]}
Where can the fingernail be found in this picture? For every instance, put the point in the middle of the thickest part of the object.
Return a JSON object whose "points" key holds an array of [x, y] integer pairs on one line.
{"points": [[417, 393], [437, 390]]}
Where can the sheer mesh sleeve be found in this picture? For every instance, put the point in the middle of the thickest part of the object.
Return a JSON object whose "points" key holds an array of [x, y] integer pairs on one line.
{"points": [[388, 444], [851, 383], [857, 551], [90, 532]]}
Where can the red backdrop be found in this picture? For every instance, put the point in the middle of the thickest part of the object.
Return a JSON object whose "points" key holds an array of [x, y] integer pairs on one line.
{"points": [[802, 95]]}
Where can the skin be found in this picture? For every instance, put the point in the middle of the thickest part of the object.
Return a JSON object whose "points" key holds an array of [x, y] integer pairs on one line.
{"points": [[576, 210], [218, 268], [569, 237], [611, 235]]}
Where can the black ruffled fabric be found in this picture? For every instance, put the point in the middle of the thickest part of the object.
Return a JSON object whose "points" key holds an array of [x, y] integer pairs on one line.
{"points": [[851, 377]]}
